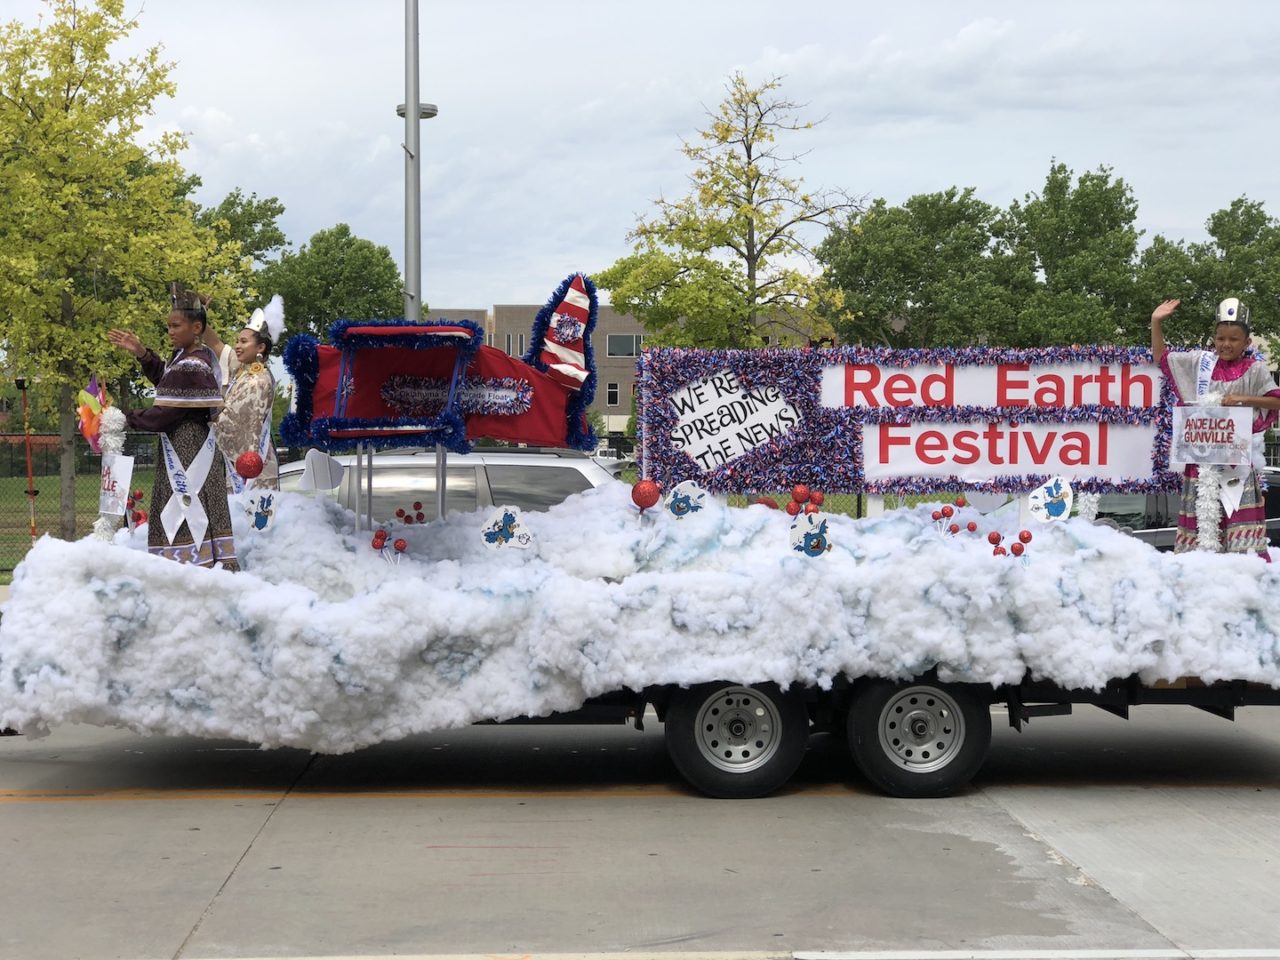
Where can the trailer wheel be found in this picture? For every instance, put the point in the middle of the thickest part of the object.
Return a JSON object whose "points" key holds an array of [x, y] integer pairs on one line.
{"points": [[918, 739], [736, 742]]}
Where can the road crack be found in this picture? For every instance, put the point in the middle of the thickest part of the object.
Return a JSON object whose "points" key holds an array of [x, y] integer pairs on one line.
{"points": [[239, 860]]}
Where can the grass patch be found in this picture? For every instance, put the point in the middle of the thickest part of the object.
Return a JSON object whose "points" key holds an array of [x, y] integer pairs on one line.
{"points": [[15, 511]]}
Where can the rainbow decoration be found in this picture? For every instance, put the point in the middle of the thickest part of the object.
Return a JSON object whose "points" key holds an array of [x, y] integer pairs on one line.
{"points": [[90, 402]]}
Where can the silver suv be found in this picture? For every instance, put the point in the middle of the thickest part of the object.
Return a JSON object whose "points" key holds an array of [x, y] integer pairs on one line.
{"points": [[1153, 517], [405, 480]]}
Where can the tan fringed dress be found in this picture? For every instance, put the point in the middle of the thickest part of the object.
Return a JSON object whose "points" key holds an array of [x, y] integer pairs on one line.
{"points": [[245, 424]]}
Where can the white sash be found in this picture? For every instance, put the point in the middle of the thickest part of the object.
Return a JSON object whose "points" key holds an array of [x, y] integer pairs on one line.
{"points": [[1204, 373], [186, 482], [1230, 480], [238, 483]]}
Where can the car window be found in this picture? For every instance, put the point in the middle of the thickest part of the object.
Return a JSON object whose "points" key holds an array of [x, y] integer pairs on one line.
{"points": [[399, 488], [1126, 509], [533, 487], [291, 482]]}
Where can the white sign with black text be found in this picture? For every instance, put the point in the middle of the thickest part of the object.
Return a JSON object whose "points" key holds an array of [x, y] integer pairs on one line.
{"points": [[1211, 435]]}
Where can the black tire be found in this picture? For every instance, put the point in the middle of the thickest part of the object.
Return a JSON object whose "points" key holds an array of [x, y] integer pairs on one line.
{"points": [[735, 741], [921, 738]]}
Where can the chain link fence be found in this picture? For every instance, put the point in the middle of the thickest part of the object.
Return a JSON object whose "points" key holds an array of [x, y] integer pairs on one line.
{"points": [[20, 511]]}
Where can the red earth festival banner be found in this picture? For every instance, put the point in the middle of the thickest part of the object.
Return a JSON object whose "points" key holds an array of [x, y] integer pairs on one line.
{"points": [[878, 421]]}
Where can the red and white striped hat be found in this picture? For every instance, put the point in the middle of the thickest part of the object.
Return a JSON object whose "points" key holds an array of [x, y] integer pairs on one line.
{"points": [[564, 346]]}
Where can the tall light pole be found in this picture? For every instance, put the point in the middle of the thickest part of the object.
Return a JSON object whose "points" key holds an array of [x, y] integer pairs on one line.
{"points": [[413, 117], [412, 165]]}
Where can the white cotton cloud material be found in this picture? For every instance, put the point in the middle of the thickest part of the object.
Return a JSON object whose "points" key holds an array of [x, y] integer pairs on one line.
{"points": [[322, 644]]}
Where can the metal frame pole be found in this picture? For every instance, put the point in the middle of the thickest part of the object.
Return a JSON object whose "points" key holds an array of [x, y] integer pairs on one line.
{"points": [[26, 437], [412, 169]]}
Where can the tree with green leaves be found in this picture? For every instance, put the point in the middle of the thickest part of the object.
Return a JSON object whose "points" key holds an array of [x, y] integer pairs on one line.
{"points": [[946, 269], [730, 263], [1241, 259], [1075, 246], [335, 275], [92, 222], [250, 221], [930, 272]]}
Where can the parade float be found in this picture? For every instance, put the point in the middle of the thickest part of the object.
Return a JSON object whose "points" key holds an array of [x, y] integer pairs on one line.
{"points": [[745, 627]]}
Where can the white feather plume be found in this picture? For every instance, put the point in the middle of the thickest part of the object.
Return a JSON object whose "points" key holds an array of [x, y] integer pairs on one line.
{"points": [[275, 318]]}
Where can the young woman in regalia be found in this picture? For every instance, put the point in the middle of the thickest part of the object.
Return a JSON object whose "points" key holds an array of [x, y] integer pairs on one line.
{"points": [[190, 520], [244, 426]]}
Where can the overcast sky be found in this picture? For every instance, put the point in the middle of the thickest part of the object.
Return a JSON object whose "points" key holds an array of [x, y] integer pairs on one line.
{"points": [[561, 121]]}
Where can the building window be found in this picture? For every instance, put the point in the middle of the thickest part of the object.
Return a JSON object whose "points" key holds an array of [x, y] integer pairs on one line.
{"points": [[624, 344], [521, 345], [508, 344], [767, 339], [612, 392]]}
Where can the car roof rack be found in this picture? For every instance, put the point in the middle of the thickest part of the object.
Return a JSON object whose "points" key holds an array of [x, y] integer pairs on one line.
{"points": [[544, 451]]}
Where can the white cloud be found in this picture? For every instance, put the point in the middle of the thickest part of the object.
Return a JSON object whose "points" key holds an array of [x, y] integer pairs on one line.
{"points": [[561, 121]]}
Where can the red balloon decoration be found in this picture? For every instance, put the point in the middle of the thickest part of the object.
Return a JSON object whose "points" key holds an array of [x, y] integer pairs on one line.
{"points": [[812, 507], [1016, 549], [948, 511], [1025, 536], [249, 464], [794, 508], [971, 526], [817, 496], [645, 494], [954, 529], [401, 545], [800, 493], [994, 537]]}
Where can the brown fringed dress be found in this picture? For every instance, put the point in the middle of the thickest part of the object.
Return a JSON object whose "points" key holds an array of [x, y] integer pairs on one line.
{"points": [[187, 395]]}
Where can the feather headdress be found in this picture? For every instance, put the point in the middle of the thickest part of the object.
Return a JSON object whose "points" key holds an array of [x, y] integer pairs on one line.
{"points": [[269, 322]]}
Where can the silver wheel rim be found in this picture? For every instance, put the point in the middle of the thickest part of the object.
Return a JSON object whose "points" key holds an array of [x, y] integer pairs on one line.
{"points": [[922, 729], [738, 729]]}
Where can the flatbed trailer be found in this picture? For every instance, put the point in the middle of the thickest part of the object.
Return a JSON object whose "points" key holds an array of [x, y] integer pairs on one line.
{"points": [[915, 738]]}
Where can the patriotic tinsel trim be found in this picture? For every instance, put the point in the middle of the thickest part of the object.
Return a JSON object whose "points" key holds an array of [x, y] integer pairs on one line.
{"points": [[303, 364], [826, 451], [340, 336], [330, 433]]}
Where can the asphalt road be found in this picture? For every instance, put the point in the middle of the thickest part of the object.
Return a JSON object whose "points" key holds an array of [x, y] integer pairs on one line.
{"points": [[1084, 837]]}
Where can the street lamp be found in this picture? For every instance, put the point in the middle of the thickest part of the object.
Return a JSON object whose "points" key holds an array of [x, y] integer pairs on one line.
{"points": [[412, 166], [425, 110], [413, 211], [413, 186]]}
